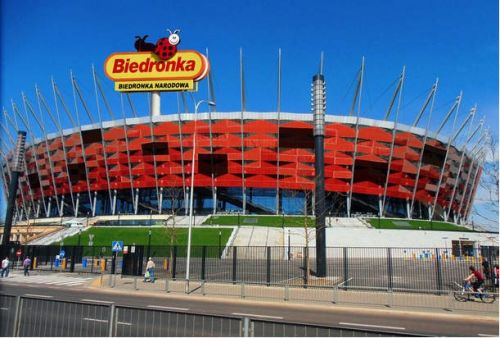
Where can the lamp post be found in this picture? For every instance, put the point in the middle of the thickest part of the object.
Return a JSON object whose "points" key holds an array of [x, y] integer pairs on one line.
{"points": [[220, 234], [191, 190], [149, 243]]}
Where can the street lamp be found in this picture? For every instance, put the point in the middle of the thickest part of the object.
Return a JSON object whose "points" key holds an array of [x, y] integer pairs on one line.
{"points": [[220, 234], [149, 243], [188, 258]]}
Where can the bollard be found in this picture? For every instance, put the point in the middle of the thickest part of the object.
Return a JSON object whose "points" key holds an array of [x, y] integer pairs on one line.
{"points": [[34, 263], [335, 294], [390, 303], [287, 292], [135, 283], [63, 264], [166, 285], [203, 288], [242, 290]]}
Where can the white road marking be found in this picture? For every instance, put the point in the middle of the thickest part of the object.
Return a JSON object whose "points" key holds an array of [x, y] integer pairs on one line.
{"points": [[254, 315], [124, 323], [168, 308], [377, 326], [96, 301], [4, 308], [486, 335], [96, 320], [35, 295], [73, 283]]}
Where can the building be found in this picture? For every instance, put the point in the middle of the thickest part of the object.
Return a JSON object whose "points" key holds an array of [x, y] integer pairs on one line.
{"points": [[247, 162]]}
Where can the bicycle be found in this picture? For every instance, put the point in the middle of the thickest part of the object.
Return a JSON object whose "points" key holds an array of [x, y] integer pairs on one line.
{"points": [[486, 294]]}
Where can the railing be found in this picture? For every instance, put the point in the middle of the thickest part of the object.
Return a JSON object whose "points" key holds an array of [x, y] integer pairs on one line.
{"points": [[388, 269], [371, 296], [30, 316]]}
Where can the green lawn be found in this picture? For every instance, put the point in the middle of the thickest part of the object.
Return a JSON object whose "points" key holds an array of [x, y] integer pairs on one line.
{"points": [[103, 236], [405, 224], [257, 220]]}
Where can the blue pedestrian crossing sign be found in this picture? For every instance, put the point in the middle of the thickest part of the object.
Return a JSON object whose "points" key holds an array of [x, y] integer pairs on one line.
{"points": [[117, 246]]}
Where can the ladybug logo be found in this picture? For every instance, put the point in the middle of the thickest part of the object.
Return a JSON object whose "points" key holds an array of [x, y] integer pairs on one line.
{"points": [[167, 47]]}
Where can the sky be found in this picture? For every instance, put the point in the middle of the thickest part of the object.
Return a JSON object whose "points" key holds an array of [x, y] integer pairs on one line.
{"points": [[453, 40]]}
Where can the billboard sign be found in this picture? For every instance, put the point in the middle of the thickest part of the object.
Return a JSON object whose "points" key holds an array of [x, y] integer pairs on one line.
{"points": [[159, 67]]}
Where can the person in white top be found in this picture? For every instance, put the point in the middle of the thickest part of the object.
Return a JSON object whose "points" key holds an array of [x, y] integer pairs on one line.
{"points": [[5, 267], [150, 271]]}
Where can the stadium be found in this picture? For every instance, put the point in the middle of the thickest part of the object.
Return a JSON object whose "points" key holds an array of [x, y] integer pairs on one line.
{"points": [[245, 162]]}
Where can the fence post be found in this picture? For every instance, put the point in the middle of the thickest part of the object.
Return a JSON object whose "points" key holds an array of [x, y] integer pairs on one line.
{"points": [[17, 317], [111, 320], [439, 277], [93, 255], [246, 327], [268, 266], [389, 269], [235, 256], [174, 263], [346, 269], [335, 294], [203, 261], [306, 267], [73, 254]]}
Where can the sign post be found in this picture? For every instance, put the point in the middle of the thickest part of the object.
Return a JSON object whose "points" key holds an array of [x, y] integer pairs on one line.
{"points": [[116, 246]]}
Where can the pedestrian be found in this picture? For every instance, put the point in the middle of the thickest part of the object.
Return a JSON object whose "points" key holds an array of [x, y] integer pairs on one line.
{"points": [[5, 267], [486, 268], [495, 271], [150, 271], [27, 265]]}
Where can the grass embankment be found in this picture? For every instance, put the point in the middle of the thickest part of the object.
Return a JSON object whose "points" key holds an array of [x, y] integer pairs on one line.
{"points": [[405, 224], [103, 236], [257, 220]]}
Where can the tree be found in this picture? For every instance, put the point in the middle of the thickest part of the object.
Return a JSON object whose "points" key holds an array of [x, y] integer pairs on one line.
{"points": [[486, 203], [172, 196]]}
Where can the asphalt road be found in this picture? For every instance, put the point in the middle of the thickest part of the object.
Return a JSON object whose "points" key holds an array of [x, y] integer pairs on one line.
{"points": [[171, 312]]}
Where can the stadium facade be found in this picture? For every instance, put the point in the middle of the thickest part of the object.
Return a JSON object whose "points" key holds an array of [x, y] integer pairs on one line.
{"points": [[248, 162]]}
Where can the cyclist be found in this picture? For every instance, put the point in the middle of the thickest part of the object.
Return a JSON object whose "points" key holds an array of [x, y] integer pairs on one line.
{"points": [[475, 278]]}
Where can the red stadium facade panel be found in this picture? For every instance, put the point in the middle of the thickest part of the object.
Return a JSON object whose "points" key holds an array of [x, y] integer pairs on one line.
{"points": [[261, 152]]}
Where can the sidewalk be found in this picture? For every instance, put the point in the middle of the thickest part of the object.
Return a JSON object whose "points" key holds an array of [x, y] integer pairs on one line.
{"points": [[398, 301]]}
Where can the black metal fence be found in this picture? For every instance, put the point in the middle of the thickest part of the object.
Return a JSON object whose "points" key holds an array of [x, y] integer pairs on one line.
{"points": [[30, 316], [376, 268]]}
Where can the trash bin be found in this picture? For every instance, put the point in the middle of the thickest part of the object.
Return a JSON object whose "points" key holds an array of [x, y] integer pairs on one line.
{"points": [[84, 263]]}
